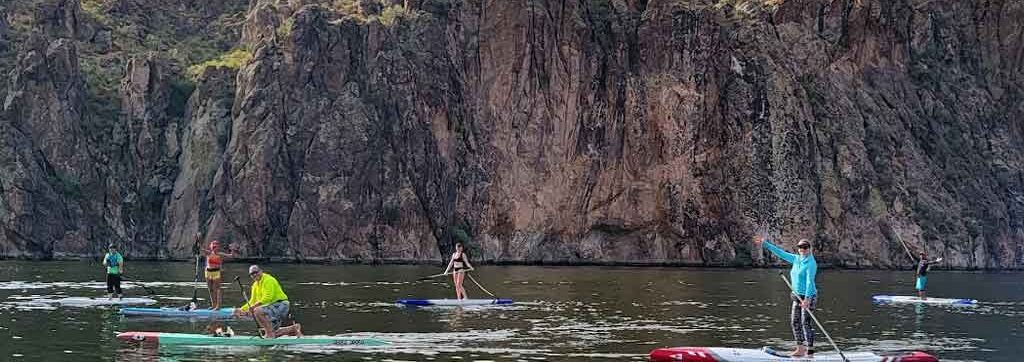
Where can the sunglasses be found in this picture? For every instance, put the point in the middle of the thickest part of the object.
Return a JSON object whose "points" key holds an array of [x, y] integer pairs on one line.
{"points": [[254, 274], [804, 246]]}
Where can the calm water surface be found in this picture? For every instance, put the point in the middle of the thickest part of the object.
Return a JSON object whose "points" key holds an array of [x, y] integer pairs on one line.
{"points": [[562, 313]]}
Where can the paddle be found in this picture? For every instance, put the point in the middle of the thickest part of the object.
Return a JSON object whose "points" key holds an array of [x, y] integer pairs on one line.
{"points": [[432, 277], [823, 331], [252, 311], [480, 286], [150, 291], [194, 304], [905, 247], [440, 275]]}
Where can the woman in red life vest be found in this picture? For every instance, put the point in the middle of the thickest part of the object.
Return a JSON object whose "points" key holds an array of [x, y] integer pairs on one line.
{"points": [[214, 261]]}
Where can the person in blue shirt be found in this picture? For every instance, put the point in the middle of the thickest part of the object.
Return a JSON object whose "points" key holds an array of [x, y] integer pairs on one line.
{"points": [[804, 293], [114, 263], [923, 266]]}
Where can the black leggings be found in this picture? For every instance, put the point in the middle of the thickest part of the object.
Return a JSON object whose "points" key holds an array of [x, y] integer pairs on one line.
{"points": [[114, 283], [803, 325]]}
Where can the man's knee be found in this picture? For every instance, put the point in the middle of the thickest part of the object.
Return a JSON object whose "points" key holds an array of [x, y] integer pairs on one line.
{"points": [[259, 312]]}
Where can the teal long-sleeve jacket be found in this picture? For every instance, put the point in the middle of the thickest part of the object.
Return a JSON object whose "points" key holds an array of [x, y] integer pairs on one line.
{"points": [[804, 270]]}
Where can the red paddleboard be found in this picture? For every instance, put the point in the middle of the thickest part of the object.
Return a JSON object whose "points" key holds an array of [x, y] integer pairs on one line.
{"points": [[715, 354]]}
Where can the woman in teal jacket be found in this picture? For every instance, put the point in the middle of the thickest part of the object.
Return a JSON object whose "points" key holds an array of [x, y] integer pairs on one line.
{"points": [[804, 293]]}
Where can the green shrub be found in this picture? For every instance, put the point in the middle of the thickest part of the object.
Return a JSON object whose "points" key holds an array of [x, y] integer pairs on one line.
{"points": [[234, 59], [181, 90], [347, 7], [98, 10], [102, 107], [66, 185], [461, 235], [285, 29], [393, 13]]}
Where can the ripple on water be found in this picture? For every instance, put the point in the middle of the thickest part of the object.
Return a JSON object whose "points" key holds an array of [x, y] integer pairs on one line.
{"points": [[1005, 309], [48, 302], [25, 285], [356, 284]]}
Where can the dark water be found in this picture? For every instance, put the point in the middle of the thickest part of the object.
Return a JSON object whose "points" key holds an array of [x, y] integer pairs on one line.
{"points": [[562, 313]]}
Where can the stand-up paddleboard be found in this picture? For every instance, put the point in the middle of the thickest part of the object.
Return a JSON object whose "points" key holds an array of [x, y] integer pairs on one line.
{"points": [[912, 299], [93, 302], [452, 302], [714, 354], [222, 313], [186, 339]]}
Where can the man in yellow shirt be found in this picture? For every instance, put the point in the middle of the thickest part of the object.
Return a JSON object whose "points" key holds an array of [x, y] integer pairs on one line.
{"points": [[269, 303]]}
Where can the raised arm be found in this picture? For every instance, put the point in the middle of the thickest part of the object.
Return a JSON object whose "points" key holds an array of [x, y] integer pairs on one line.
{"points": [[782, 254]]}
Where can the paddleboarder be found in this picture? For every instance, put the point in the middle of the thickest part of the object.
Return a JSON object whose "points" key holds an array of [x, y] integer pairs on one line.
{"points": [[269, 305], [115, 268], [458, 267], [804, 293], [923, 266], [214, 261]]}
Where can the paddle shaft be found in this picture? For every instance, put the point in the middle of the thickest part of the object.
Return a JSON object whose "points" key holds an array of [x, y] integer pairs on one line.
{"points": [[195, 282], [905, 247], [808, 311], [150, 291], [252, 309], [442, 274], [433, 276], [480, 286]]}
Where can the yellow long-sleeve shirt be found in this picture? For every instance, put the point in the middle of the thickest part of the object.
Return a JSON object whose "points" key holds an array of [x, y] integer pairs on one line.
{"points": [[264, 292]]}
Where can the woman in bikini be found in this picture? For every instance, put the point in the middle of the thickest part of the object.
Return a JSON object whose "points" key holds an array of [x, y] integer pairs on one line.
{"points": [[214, 262], [458, 266]]}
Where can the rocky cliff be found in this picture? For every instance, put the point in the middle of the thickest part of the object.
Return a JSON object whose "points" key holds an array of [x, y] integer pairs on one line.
{"points": [[535, 131]]}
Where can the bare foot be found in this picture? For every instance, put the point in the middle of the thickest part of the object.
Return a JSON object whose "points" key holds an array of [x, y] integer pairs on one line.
{"points": [[298, 330]]}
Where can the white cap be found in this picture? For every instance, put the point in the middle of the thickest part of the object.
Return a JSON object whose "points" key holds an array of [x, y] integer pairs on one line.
{"points": [[254, 268]]}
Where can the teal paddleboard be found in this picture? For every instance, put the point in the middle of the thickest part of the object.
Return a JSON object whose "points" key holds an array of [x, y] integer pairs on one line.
{"points": [[187, 339]]}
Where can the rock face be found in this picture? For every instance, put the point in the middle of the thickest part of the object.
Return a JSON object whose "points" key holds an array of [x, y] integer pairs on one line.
{"points": [[42, 154], [554, 132], [152, 150], [204, 142]]}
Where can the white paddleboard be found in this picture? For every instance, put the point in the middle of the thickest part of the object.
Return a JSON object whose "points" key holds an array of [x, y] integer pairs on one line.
{"points": [[929, 300], [452, 302], [95, 302]]}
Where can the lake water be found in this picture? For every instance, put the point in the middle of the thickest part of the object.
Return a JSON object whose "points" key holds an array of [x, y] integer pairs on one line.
{"points": [[561, 313]]}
